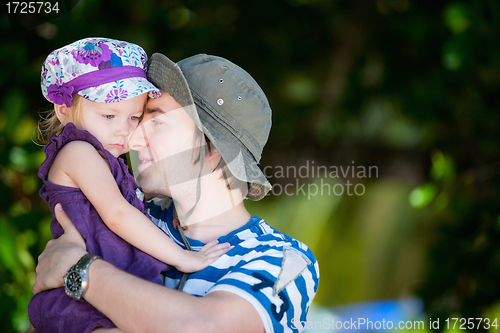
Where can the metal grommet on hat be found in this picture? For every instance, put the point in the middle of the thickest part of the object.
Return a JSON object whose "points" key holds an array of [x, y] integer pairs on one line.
{"points": [[220, 101], [98, 69]]}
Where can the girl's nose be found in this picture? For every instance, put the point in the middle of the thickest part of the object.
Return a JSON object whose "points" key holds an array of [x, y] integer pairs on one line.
{"points": [[123, 128], [138, 139]]}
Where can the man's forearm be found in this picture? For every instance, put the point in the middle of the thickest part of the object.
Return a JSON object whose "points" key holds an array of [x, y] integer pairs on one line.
{"points": [[136, 305], [133, 304]]}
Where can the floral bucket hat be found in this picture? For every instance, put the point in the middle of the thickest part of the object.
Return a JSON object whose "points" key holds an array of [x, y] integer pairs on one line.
{"points": [[98, 69]]}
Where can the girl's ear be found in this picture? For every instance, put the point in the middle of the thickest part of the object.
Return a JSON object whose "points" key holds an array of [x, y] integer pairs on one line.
{"points": [[61, 112]]}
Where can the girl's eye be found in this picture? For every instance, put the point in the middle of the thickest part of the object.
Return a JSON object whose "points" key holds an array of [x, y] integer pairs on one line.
{"points": [[108, 116], [134, 118]]}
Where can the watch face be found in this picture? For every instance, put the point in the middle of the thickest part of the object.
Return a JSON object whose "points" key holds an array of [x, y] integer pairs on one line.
{"points": [[74, 282]]}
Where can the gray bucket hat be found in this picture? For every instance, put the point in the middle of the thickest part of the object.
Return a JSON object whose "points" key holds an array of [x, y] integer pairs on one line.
{"points": [[232, 108]]}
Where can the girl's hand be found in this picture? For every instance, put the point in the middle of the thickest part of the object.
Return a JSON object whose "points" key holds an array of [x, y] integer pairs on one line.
{"points": [[194, 261]]}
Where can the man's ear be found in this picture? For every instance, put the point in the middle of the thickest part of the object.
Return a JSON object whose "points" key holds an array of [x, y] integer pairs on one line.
{"points": [[211, 150], [61, 112], [213, 156], [215, 152]]}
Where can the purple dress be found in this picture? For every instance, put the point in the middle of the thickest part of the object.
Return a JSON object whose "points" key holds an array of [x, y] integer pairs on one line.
{"points": [[54, 311]]}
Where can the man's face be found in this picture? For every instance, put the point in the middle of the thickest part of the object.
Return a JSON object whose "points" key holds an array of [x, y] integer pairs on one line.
{"points": [[166, 140]]}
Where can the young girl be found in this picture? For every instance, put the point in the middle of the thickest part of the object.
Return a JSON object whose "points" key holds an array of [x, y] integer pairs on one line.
{"points": [[98, 87]]}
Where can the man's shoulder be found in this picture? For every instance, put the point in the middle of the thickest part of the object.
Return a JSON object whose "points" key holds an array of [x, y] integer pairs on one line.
{"points": [[262, 237], [276, 273]]}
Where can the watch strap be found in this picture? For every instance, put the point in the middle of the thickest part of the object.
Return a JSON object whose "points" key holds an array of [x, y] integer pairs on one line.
{"points": [[86, 260]]}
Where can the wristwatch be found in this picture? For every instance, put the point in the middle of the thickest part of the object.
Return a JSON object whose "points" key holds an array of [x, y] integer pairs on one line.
{"points": [[76, 279]]}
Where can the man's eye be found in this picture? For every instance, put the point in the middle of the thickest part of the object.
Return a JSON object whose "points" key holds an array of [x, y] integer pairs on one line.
{"points": [[108, 116]]}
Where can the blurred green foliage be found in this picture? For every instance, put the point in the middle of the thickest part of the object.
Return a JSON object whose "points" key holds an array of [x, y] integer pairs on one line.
{"points": [[408, 86]]}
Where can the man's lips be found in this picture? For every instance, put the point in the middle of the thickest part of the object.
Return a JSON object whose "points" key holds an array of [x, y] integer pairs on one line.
{"points": [[144, 164]]}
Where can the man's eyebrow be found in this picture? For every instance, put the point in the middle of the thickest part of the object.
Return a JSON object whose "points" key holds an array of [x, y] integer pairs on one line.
{"points": [[153, 110]]}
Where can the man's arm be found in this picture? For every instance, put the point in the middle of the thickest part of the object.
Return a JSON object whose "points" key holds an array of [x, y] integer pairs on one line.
{"points": [[148, 307], [136, 305]]}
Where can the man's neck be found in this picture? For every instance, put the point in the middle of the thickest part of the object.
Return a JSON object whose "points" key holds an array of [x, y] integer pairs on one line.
{"points": [[220, 225]]}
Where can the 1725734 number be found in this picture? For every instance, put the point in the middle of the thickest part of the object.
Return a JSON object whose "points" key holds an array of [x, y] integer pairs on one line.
{"points": [[16, 7], [470, 323]]}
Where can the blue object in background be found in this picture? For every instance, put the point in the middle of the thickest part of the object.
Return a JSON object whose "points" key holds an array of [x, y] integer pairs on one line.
{"points": [[377, 316]]}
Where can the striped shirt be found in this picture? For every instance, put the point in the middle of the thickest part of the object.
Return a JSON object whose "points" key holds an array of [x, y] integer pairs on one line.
{"points": [[277, 274]]}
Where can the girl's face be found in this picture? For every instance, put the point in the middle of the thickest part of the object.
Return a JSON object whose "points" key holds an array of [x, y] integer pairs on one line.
{"points": [[112, 123]]}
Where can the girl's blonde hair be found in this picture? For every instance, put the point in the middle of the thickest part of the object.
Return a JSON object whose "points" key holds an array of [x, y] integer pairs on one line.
{"points": [[49, 124]]}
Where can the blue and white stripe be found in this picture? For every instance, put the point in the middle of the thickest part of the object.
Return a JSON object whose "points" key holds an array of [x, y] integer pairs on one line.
{"points": [[251, 269]]}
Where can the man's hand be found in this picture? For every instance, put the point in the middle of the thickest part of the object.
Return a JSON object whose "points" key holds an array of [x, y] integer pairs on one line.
{"points": [[59, 255]]}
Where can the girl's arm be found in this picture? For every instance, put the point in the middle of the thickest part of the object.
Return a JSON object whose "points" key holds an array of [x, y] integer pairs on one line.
{"points": [[91, 173]]}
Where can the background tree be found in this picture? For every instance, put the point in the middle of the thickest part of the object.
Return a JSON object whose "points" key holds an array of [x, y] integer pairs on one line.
{"points": [[409, 87]]}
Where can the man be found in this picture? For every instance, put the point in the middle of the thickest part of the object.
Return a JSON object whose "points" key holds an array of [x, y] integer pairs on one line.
{"points": [[199, 144]]}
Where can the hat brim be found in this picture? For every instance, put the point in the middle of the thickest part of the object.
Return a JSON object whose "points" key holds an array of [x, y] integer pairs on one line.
{"points": [[112, 92], [167, 75]]}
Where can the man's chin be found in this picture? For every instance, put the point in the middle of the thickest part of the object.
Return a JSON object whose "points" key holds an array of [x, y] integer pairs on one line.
{"points": [[151, 192], [148, 182]]}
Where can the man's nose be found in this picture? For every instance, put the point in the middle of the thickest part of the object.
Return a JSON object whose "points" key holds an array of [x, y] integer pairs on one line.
{"points": [[138, 139]]}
